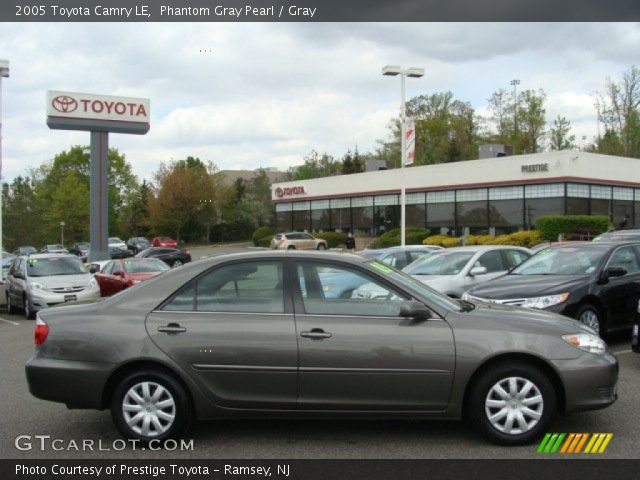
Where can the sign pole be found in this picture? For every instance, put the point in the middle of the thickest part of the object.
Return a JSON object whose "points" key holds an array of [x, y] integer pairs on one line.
{"points": [[99, 228]]}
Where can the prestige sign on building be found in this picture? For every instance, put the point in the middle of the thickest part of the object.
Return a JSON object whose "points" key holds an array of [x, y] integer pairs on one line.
{"points": [[90, 112]]}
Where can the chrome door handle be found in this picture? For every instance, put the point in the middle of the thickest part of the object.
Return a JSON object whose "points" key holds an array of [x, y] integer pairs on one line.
{"points": [[172, 328], [316, 334]]}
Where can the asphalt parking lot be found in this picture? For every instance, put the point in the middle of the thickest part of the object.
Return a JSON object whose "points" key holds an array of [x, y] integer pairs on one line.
{"points": [[23, 414]]}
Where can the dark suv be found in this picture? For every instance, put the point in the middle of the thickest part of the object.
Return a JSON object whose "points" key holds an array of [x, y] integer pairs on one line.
{"points": [[595, 283]]}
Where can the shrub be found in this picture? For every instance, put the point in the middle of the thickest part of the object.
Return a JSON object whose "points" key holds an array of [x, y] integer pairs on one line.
{"points": [[442, 240], [413, 236], [551, 226], [333, 239], [527, 238], [264, 241], [261, 233]]}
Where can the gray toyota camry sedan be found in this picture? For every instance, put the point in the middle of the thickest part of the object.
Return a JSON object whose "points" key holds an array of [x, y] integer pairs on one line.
{"points": [[255, 335]]}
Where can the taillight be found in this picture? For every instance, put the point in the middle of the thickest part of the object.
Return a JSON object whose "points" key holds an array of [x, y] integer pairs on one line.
{"points": [[186, 251], [41, 331]]}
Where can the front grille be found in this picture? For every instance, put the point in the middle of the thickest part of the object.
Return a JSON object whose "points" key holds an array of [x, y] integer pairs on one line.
{"points": [[67, 289], [514, 302]]}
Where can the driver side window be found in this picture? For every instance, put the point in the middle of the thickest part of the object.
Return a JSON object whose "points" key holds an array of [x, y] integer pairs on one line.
{"points": [[338, 290], [626, 258]]}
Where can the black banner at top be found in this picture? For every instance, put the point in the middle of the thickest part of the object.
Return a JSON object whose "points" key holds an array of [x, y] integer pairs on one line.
{"points": [[319, 10]]}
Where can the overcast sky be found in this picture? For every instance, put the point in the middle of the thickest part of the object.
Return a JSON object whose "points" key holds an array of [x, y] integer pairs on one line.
{"points": [[265, 95]]}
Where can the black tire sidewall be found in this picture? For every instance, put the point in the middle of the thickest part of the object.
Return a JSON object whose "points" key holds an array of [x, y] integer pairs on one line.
{"points": [[488, 379], [184, 412]]}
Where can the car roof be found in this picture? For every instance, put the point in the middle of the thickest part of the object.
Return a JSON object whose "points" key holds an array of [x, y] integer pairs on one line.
{"points": [[48, 255], [482, 248]]}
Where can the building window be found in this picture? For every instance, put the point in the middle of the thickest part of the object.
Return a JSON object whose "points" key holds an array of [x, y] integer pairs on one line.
{"points": [[600, 200], [622, 208], [536, 207], [577, 199], [320, 215], [362, 215], [544, 191], [301, 216], [505, 216], [283, 217], [415, 210], [340, 214], [386, 213], [441, 211]]}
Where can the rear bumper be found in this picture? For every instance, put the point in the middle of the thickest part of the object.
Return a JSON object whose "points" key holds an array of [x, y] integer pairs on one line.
{"points": [[589, 381], [76, 384]]}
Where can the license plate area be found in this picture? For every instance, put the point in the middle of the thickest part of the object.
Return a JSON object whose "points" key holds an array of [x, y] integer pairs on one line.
{"points": [[70, 298]]}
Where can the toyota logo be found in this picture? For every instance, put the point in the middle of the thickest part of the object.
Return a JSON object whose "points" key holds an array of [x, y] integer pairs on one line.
{"points": [[279, 192], [64, 104]]}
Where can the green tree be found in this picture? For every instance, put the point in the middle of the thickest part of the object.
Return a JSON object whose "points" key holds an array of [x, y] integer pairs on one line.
{"points": [[352, 162], [531, 120], [316, 166], [559, 135], [20, 217]]}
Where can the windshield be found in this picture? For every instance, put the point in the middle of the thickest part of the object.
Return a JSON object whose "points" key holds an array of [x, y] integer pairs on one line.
{"points": [[370, 253], [145, 266], [55, 247], [440, 263], [422, 290], [114, 240], [45, 267], [562, 261]]}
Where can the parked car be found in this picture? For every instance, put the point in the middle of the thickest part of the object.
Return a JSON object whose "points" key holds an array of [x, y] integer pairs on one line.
{"points": [[137, 244], [80, 249], [164, 242], [218, 337], [26, 250], [54, 248], [117, 275], [97, 265], [400, 257], [118, 252], [42, 280], [115, 242], [297, 241], [7, 259], [630, 235], [596, 283], [454, 270], [635, 334], [174, 257]]}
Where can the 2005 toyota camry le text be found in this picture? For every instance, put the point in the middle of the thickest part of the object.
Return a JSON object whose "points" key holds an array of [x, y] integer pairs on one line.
{"points": [[254, 334]]}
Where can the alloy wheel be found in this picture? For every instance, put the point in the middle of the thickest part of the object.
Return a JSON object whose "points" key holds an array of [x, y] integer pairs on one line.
{"points": [[514, 405], [590, 319], [149, 409]]}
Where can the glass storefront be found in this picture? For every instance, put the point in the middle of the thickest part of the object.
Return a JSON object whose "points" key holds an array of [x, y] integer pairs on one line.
{"points": [[493, 210]]}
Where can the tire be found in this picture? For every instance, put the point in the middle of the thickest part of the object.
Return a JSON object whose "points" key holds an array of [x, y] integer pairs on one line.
{"points": [[10, 308], [291, 247], [515, 379], [591, 317], [169, 416], [321, 246], [28, 313], [176, 263]]}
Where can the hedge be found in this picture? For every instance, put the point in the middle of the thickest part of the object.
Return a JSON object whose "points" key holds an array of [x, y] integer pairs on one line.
{"points": [[551, 226], [334, 239], [413, 236], [523, 239], [261, 233], [264, 241]]}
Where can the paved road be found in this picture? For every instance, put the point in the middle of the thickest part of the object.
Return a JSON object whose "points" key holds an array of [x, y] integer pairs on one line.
{"points": [[22, 414]]}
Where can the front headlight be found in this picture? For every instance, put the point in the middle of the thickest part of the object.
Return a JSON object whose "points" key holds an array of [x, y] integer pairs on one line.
{"points": [[38, 286], [466, 297], [92, 283], [544, 302], [587, 342]]}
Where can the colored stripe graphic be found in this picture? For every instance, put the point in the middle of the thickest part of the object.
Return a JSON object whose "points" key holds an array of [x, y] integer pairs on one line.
{"points": [[573, 443]]}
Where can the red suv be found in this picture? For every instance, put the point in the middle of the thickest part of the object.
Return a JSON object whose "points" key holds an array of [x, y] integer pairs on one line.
{"points": [[164, 242]]}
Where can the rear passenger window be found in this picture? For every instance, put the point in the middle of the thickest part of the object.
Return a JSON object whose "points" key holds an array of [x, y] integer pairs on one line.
{"points": [[492, 261], [515, 257], [626, 258]]}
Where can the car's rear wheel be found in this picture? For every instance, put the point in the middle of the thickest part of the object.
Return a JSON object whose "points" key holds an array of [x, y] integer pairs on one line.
{"points": [[150, 405], [10, 308], [177, 263], [291, 247], [322, 246], [512, 403], [591, 317]]}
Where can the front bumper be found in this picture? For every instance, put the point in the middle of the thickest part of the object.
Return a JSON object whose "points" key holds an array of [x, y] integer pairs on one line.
{"points": [[39, 299], [589, 381], [76, 384]]}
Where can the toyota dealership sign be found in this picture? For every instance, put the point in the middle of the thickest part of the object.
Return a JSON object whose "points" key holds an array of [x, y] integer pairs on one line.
{"points": [[97, 113]]}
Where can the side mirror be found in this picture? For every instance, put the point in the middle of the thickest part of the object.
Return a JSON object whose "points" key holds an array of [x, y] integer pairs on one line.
{"points": [[478, 271], [614, 272], [415, 310], [93, 269], [118, 273], [18, 275]]}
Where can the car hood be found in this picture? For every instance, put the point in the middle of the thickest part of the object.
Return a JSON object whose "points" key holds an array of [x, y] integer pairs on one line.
{"points": [[524, 286], [59, 281], [504, 317]]}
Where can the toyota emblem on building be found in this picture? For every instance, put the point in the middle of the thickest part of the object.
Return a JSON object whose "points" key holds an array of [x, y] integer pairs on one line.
{"points": [[279, 192], [64, 104]]}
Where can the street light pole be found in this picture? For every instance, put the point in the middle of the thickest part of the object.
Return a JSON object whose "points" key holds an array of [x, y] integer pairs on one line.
{"points": [[62, 234], [4, 72], [412, 72], [515, 82]]}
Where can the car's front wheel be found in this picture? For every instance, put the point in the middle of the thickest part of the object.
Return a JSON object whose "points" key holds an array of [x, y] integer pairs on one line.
{"points": [[177, 263], [150, 405], [10, 308], [322, 246], [29, 314], [512, 403], [591, 317]]}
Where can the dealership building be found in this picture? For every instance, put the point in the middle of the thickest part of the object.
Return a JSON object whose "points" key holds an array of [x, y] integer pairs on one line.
{"points": [[487, 196]]}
